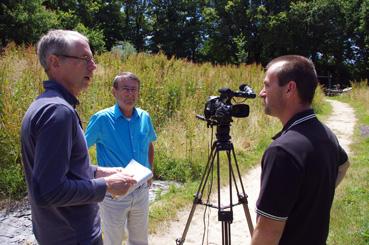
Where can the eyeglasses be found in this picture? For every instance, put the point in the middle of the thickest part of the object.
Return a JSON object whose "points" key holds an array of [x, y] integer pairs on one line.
{"points": [[86, 58], [127, 89]]}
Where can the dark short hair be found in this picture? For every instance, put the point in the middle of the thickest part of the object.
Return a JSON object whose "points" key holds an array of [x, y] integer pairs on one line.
{"points": [[299, 69], [125, 76]]}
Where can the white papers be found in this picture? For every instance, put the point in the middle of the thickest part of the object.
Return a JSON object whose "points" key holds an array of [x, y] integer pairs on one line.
{"points": [[140, 173]]}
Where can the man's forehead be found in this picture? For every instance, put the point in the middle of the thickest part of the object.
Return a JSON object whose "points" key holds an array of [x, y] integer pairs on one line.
{"points": [[278, 65], [125, 81], [80, 48], [271, 73]]}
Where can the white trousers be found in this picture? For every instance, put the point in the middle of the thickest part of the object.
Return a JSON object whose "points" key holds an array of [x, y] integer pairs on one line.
{"points": [[129, 212]]}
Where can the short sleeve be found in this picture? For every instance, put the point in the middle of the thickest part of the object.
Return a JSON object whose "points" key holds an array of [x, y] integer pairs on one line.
{"points": [[280, 184], [342, 156], [152, 134], [92, 131]]}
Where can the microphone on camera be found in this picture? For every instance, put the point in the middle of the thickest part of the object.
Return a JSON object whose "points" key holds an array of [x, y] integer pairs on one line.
{"points": [[247, 90], [240, 110]]}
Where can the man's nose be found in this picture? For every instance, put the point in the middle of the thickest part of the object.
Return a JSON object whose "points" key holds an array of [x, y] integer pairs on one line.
{"points": [[92, 65], [262, 93]]}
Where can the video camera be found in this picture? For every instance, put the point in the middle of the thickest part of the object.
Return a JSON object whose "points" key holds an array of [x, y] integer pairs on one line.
{"points": [[219, 110]]}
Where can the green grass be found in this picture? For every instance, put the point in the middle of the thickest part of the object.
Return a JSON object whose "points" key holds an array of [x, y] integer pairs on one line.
{"points": [[350, 211]]}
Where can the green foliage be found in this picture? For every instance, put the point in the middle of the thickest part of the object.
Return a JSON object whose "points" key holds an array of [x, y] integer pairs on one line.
{"points": [[20, 75], [349, 214], [12, 182], [24, 21], [241, 43], [222, 32], [124, 50], [96, 37], [68, 19], [181, 170], [137, 22]]}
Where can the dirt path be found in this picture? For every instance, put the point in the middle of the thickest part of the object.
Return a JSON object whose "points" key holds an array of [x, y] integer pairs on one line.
{"points": [[341, 121]]}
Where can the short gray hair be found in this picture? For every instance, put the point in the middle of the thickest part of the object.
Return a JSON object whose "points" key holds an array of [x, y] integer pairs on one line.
{"points": [[56, 42], [125, 76]]}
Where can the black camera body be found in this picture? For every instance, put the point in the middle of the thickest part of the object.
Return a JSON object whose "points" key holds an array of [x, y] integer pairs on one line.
{"points": [[219, 110]]}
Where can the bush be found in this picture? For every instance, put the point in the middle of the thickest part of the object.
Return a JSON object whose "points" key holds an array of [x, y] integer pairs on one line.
{"points": [[95, 36], [124, 50], [168, 168], [12, 182]]}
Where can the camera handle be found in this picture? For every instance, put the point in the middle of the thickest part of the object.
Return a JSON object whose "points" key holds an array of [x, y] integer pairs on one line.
{"points": [[225, 213]]}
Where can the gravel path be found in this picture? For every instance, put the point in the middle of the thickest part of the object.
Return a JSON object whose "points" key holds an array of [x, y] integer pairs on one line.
{"points": [[341, 121], [15, 222]]}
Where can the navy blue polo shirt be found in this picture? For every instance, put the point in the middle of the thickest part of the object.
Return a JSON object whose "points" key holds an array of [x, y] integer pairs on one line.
{"points": [[62, 190], [299, 171]]}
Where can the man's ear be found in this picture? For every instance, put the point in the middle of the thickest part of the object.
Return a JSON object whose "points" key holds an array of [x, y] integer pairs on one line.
{"points": [[291, 87], [53, 61]]}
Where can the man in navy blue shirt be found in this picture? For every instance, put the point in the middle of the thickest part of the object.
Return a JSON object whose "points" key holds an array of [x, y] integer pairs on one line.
{"points": [[304, 163], [63, 187]]}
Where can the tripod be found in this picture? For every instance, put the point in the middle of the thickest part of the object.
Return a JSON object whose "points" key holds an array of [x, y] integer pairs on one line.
{"points": [[225, 213]]}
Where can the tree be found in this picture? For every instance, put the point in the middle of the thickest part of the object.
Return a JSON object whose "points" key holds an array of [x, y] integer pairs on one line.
{"points": [[109, 18], [136, 23], [227, 31], [357, 13], [176, 27], [24, 21], [363, 29], [317, 30]]}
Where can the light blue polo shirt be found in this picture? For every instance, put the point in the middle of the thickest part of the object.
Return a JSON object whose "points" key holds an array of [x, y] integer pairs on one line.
{"points": [[118, 139]]}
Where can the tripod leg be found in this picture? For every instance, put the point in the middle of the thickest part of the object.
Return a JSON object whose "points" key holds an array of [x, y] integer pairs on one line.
{"points": [[199, 193], [242, 198], [181, 240], [226, 233], [226, 215], [248, 216]]}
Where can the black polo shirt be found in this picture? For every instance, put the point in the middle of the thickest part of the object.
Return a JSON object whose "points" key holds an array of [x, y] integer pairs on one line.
{"points": [[299, 171]]}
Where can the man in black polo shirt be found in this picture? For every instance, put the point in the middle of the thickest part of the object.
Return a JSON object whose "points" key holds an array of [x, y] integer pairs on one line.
{"points": [[304, 163]]}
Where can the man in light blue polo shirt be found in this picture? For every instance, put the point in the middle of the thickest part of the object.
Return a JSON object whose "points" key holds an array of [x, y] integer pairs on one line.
{"points": [[121, 133]]}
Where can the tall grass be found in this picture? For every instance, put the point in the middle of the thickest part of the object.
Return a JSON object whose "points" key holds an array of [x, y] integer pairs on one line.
{"points": [[20, 77], [173, 91], [350, 211]]}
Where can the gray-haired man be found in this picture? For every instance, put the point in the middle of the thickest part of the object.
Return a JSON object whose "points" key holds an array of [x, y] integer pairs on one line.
{"points": [[63, 187]]}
